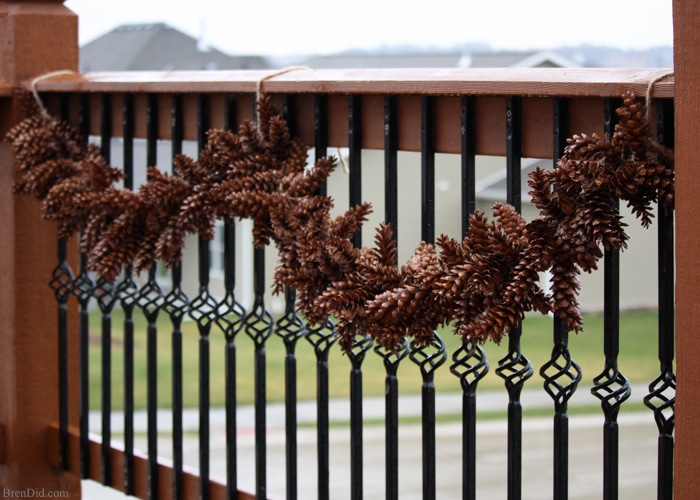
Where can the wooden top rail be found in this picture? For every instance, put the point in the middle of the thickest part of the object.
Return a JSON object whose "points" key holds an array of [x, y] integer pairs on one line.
{"points": [[6, 89], [586, 88], [545, 82]]}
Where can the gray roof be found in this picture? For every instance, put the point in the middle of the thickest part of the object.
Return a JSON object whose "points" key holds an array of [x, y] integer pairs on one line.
{"points": [[159, 47], [504, 59], [531, 59], [379, 60]]}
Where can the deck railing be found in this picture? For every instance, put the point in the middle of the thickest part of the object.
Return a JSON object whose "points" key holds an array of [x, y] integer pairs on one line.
{"points": [[510, 113]]}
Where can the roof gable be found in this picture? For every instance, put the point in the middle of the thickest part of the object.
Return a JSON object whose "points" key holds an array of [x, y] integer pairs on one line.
{"points": [[140, 47]]}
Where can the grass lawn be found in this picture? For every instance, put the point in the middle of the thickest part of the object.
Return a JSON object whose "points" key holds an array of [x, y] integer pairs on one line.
{"points": [[638, 360]]}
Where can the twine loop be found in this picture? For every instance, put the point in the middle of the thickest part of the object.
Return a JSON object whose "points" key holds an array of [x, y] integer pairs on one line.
{"points": [[258, 86], [656, 145], [42, 109]]}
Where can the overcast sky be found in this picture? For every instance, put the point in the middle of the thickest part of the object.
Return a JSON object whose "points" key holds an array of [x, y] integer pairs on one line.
{"points": [[288, 27]]}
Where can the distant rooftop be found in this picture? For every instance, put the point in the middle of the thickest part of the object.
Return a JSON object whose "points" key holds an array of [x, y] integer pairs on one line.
{"points": [[530, 59], [159, 47]]}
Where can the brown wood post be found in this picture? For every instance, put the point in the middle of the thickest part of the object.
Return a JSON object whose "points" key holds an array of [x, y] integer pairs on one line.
{"points": [[686, 40], [36, 37]]}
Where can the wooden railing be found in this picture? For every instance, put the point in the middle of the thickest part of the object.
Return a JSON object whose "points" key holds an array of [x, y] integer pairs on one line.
{"points": [[511, 113], [30, 426]]}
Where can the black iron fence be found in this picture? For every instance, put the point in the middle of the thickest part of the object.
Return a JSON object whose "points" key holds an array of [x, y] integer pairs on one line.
{"points": [[158, 296]]}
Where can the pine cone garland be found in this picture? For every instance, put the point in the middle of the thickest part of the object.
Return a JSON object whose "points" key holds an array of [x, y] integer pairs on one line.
{"points": [[483, 285]]}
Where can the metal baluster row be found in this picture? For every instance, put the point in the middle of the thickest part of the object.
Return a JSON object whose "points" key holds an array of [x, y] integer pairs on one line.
{"points": [[561, 374]]}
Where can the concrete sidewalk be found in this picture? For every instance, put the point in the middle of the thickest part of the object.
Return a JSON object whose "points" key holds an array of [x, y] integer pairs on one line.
{"points": [[637, 448], [339, 410]]}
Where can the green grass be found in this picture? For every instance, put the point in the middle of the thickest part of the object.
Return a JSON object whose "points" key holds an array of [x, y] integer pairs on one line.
{"points": [[638, 360]]}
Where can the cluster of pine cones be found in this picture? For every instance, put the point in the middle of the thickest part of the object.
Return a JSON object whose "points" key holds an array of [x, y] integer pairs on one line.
{"points": [[482, 285]]}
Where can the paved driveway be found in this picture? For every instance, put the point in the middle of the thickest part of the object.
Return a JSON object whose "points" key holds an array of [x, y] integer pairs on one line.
{"points": [[638, 455]]}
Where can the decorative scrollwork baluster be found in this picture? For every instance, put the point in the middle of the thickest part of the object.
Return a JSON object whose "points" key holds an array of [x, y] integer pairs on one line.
{"points": [[291, 328], [429, 358], [229, 319], [150, 301], [105, 294], [322, 337], [514, 369], [61, 283], [258, 324], [127, 292], [662, 391], [82, 289], [176, 305], [360, 345], [391, 361], [203, 310], [470, 365], [561, 376]]}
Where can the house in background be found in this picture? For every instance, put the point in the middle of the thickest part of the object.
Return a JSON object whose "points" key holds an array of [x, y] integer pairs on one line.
{"points": [[511, 59], [452, 59], [158, 47]]}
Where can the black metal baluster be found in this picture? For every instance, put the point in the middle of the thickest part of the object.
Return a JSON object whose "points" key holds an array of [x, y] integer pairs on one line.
{"points": [[391, 359], [321, 130], [391, 365], [291, 328], [322, 337], [230, 321], [561, 374], [151, 300], [258, 325], [428, 169], [468, 159], [82, 289], [610, 386], [391, 146], [204, 310], [176, 306], [127, 293], [470, 365], [61, 280], [361, 344], [106, 300], [355, 156], [662, 391], [514, 368], [469, 361], [428, 358], [204, 329]]}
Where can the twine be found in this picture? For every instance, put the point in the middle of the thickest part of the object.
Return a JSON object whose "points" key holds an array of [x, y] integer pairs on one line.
{"points": [[341, 158], [650, 88], [42, 109], [656, 145], [258, 86]]}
